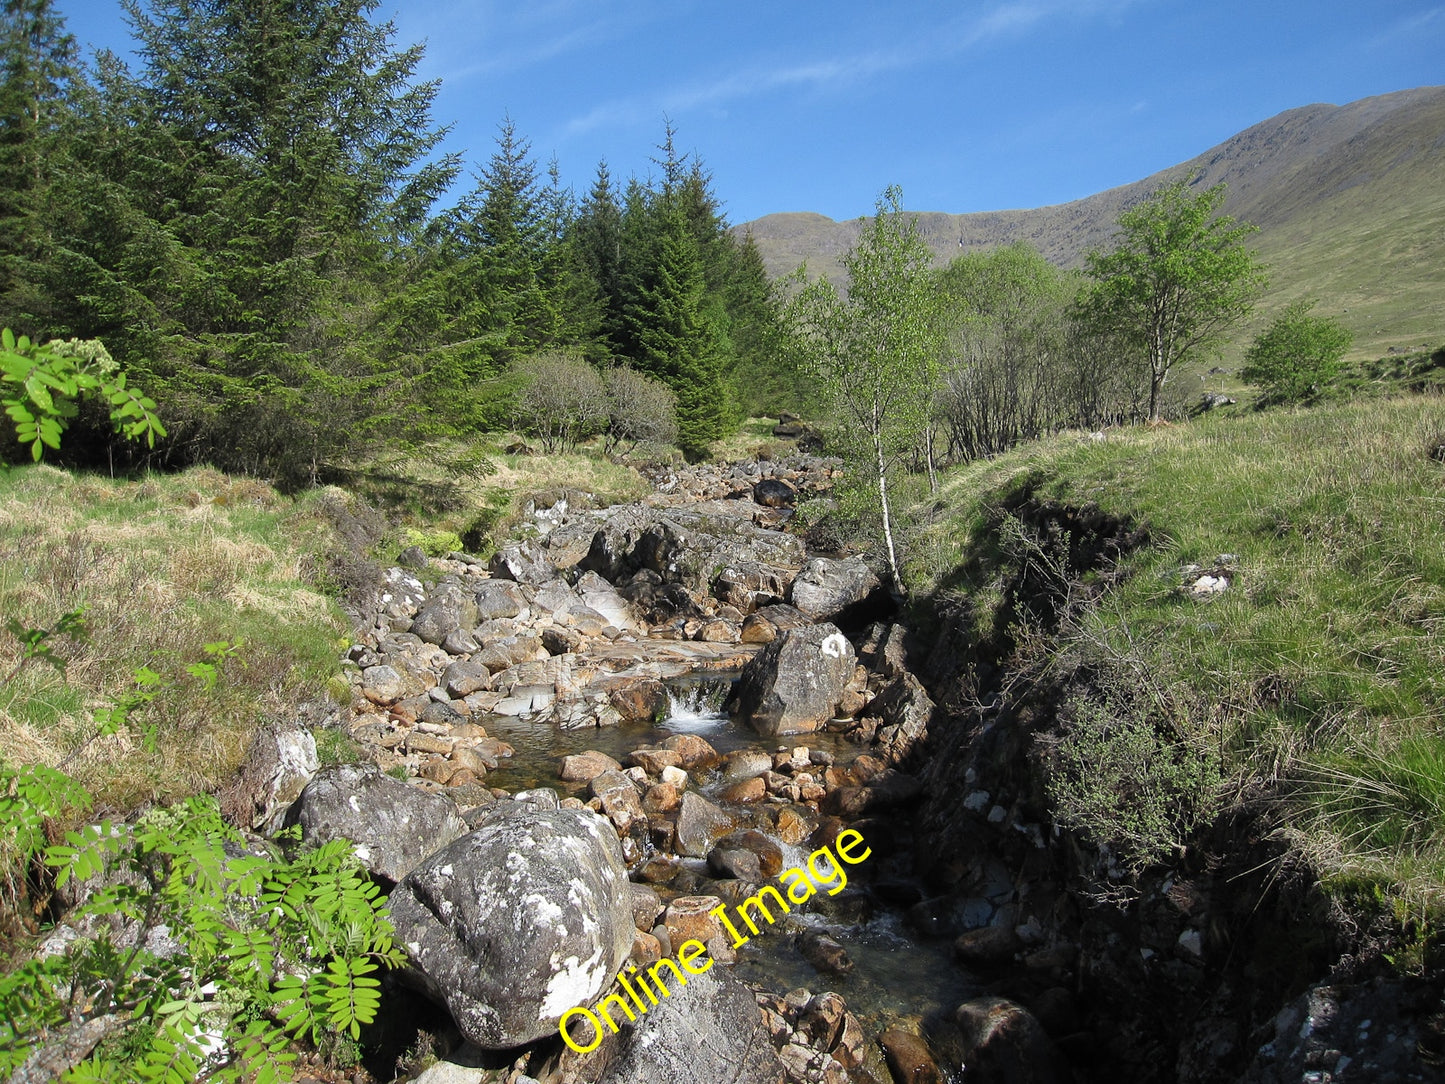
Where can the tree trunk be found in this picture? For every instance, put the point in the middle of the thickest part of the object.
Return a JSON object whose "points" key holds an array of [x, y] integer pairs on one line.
{"points": [[882, 465]]}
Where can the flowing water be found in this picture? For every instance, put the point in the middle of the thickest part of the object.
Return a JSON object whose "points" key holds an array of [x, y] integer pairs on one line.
{"points": [[896, 973]]}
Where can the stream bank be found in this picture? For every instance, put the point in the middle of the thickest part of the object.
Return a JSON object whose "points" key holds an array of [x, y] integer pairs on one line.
{"points": [[582, 669]]}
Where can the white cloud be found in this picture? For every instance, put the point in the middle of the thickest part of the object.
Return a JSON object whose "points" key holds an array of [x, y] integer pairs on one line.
{"points": [[832, 73]]}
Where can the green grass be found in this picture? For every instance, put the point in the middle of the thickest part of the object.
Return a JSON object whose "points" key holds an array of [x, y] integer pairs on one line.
{"points": [[162, 568], [1320, 674], [476, 489]]}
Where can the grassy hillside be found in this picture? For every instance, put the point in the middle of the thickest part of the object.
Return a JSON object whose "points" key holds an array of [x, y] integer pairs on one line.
{"points": [[160, 569], [1348, 200], [1316, 680]]}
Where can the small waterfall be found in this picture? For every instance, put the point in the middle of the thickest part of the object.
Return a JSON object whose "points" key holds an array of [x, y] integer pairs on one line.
{"points": [[697, 704]]}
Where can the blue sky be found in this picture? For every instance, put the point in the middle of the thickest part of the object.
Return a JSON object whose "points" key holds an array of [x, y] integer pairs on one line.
{"points": [[970, 106]]}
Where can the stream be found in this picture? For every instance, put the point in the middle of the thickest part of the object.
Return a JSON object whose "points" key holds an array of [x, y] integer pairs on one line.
{"points": [[897, 974]]}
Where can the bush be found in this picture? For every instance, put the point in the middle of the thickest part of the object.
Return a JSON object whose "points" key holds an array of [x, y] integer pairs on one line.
{"points": [[640, 409], [564, 401], [1124, 785], [1297, 356]]}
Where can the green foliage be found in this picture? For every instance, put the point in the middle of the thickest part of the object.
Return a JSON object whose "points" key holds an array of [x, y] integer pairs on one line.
{"points": [[48, 380], [1298, 355], [433, 543], [1176, 281], [265, 947], [1124, 783], [1316, 674]]}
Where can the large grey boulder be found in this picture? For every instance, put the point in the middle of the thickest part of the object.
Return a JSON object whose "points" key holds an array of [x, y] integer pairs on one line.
{"points": [[794, 685], [445, 611], [516, 923], [498, 599], [828, 590], [524, 562], [708, 1032], [393, 825]]}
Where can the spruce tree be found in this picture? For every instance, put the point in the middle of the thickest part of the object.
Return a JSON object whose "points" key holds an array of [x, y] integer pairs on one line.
{"points": [[38, 74], [676, 340]]}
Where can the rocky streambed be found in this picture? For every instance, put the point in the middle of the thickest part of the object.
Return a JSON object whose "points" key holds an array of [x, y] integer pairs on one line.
{"points": [[604, 744], [579, 754]]}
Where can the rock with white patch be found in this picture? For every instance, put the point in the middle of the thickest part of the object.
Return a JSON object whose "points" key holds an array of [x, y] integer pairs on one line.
{"points": [[517, 922], [794, 685], [392, 824]]}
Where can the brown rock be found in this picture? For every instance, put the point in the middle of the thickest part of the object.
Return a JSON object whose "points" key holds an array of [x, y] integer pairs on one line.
{"points": [[437, 770], [822, 1020], [646, 949], [661, 798], [696, 753], [646, 906], [909, 1059], [794, 825], [466, 758], [639, 701], [749, 790], [587, 766], [652, 761], [687, 919]]}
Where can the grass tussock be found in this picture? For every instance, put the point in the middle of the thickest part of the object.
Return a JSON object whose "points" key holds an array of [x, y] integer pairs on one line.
{"points": [[162, 568], [1319, 674]]}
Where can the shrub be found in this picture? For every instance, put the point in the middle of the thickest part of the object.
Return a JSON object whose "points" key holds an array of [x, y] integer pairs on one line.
{"points": [[564, 401], [640, 409], [1297, 356], [1124, 785]]}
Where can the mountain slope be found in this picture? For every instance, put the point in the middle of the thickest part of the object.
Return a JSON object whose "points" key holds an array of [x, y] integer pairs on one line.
{"points": [[1350, 201]]}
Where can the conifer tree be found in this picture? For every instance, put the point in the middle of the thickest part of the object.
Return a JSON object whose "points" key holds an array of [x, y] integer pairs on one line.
{"points": [[676, 340], [38, 73]]}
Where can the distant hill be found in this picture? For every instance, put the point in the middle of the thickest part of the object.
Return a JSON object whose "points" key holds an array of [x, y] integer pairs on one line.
{"points": [[1350, 201]]}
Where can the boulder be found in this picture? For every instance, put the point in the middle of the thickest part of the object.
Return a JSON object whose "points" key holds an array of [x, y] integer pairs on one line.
{"points": [[466, 676], [750, 585], [829, 590], [1004, 1044], [586, 766], [393, 825], [383, 684], [497, 599], [445, 611], [767, 624], [905, 708], [524, 562], [794, 685], [909, 1058], [775, 493], [517, 922], [708, 1033], [699, 823]]}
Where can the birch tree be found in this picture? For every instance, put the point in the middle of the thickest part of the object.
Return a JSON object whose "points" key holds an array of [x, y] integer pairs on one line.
{"points": [[875, 349]]}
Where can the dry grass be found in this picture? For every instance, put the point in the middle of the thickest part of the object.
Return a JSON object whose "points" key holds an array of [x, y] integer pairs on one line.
{"points": [[161, 568]]}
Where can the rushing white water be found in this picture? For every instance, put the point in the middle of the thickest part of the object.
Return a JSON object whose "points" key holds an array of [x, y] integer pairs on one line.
{"points": [[696, 706]]}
